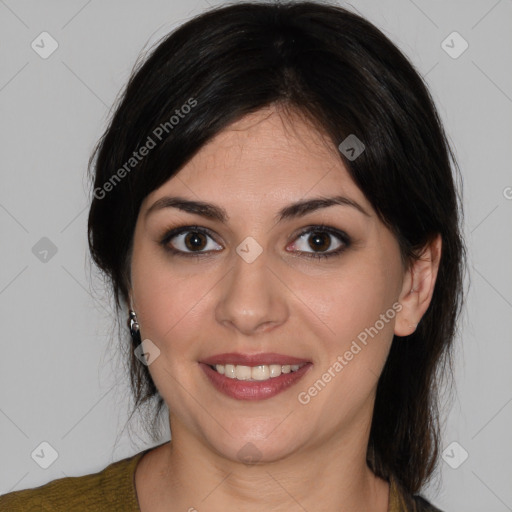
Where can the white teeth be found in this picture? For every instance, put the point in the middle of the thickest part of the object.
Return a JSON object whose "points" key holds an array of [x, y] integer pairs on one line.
{"points": [[229, 371], [260, 372], [275, 370], [243, 372]]}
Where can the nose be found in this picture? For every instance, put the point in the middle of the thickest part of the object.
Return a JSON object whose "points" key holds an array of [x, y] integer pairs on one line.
{"points": [[253, 298]]}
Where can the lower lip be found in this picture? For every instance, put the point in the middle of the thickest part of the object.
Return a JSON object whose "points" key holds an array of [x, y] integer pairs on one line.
{"points": [[253, 390]]}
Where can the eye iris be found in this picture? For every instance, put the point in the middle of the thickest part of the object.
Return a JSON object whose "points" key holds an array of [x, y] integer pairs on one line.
{"points": [[193, 240], [319, 236]]}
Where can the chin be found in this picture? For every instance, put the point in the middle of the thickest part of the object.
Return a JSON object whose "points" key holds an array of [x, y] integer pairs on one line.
{"points": [[252, 444]]}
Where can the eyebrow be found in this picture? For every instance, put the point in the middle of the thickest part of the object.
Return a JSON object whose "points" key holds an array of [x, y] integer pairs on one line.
{"points": [[214, 212]]}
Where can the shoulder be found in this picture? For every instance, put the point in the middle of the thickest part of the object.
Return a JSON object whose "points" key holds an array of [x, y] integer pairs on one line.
{"points": [[403, 501], [422, 505], [109, 489]]}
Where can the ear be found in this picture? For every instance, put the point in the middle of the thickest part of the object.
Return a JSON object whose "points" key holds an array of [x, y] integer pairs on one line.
{"points": [[418, 288], [131, 301]]}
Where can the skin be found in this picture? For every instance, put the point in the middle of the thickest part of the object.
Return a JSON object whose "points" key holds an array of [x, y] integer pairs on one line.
{"points": [[283, 302]]}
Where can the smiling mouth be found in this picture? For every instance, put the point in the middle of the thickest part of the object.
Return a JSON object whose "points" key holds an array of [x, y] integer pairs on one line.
{"points": [[257, 382], [256, 373]]}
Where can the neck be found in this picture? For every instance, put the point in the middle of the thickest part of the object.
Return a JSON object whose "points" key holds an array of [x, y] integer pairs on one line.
{"points": [[331, 476]]}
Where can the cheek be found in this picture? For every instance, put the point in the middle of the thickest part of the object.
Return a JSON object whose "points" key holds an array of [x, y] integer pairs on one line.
{"points": [[356, 329], [173, 304], [348, 304], [171, 308]]}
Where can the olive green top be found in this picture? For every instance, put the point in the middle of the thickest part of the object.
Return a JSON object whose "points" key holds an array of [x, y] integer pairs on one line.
{"points": [[113, 489]]}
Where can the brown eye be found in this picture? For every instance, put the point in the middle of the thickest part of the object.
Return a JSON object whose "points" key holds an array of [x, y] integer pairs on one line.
{"points": [[187, 240], [320, 240], [194, 240]]}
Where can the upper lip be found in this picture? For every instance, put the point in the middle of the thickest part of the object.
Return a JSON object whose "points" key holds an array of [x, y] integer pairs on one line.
{"points": [[252, 359]]}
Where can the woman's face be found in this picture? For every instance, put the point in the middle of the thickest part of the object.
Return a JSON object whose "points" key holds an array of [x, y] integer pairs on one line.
{"points": [[251, 285]]}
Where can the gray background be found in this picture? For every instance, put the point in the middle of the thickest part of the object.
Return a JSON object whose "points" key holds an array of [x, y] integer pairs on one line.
{"points": [[62, 381]]}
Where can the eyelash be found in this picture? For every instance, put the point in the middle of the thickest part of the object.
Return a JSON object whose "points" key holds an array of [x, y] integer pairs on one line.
{"points": [[342, 236]]}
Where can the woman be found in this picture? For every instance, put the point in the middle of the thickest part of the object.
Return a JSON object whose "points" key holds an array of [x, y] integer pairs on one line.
{"points": [[275, 209]]}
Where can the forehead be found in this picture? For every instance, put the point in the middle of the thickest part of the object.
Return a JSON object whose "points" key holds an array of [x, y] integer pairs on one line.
{"points": [[267, 154]]}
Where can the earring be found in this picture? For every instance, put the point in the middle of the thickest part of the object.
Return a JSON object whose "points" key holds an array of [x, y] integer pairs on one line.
{"points": [[134, 327]]}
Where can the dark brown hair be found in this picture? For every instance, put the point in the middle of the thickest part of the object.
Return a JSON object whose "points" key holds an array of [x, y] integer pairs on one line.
{"points": [[346, 76]]}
